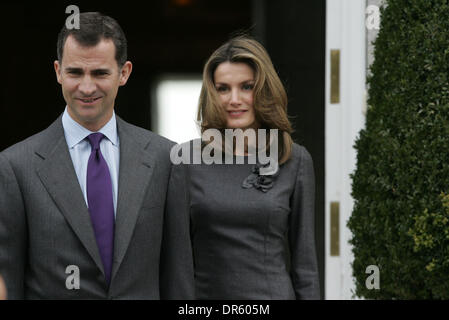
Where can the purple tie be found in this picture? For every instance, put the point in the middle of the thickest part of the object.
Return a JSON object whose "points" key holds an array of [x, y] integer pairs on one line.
{"points": [[100, 202]]}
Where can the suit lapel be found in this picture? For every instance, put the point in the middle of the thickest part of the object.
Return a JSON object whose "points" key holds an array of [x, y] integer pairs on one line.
{"points": [[59, 178], [136, 168]]}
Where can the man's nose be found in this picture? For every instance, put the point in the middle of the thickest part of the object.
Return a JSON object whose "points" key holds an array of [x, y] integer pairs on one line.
{"points": [[87, 87]]}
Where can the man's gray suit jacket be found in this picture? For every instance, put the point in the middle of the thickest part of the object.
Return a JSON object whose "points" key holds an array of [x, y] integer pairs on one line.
{"points": [[45, 226]]}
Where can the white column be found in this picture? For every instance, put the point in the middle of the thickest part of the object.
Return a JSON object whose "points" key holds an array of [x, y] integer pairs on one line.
{"points": [[345, 30]]}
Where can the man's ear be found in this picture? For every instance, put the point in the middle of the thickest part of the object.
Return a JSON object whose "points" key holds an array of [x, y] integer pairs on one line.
{"points": [[57, 70], [125, 72]]}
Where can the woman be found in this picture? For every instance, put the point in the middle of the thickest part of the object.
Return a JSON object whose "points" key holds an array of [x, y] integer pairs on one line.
{"points": [[252, 234], [2, 289]]}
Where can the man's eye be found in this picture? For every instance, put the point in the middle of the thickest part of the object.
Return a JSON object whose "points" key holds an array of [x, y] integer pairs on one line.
{"points": [[75, 73], [100, 73]]}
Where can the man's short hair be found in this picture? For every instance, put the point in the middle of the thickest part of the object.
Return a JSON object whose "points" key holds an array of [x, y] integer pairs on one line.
{"points": [[95, 27]]}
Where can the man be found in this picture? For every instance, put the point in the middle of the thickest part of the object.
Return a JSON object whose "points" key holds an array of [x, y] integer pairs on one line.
{"points": [[91, 207]]}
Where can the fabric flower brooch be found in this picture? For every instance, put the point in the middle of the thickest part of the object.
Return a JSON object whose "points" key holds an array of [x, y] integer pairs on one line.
{"points": [[258, 181]]}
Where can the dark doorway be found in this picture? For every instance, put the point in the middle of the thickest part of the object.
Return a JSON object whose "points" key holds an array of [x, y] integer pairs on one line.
{"points": [[294, 34]]}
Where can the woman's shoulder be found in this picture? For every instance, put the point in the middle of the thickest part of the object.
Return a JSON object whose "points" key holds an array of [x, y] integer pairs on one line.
{"points": [[187, 152], [300, 153], [300, 162], [192, 142]]}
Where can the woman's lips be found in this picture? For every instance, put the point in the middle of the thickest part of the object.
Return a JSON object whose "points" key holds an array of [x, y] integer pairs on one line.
{"points": [[236, 113]]}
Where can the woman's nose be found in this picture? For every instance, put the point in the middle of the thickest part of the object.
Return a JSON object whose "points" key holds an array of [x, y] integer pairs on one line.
{"points": [[235, 97]]}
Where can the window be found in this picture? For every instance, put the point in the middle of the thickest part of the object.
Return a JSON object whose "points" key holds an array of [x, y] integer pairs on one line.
{"points": [[175, 107]]}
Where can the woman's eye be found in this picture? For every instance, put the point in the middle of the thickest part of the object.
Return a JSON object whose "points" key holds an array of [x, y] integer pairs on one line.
{"points": [[248, 87], [222, 89]]}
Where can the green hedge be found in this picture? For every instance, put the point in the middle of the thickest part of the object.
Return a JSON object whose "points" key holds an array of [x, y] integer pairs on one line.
{"points": [[400, 220]]}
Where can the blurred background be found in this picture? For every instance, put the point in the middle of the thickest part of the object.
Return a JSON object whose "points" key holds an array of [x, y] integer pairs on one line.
{"points": [[320, 49]]}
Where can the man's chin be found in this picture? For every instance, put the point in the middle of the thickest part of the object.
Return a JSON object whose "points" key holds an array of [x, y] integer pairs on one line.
{"points": [[89, 115], [86, 117]]}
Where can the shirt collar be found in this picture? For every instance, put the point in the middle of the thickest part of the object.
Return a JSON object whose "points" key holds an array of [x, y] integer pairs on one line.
{"points": [[75, 133]]}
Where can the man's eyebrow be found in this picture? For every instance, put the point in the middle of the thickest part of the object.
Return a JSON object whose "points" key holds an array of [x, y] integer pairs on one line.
{"points": [[101, 70], [80, 70], [72, 69]]}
